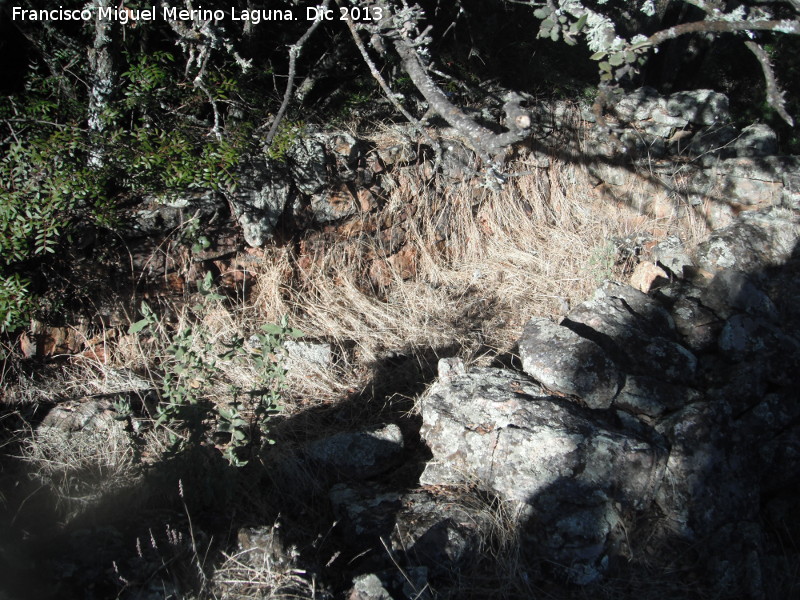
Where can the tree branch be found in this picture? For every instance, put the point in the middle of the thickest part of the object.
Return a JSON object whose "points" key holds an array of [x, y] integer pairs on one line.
{"points": [[774, 94], [782, 26], [294, 52]]}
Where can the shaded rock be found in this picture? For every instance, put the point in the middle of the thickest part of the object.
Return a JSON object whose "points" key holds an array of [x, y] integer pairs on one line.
{"points": [[366, 512], [671, 255], [263, 545], [359, 455], [697, 325], [333, 204], [701, 107], [639, 105], [743, 336], [565, 362], [757, 240], [648, 396], [635, 331], [500, 430], [756, 140], [259, 201], [577, 527], [308, 162], [438, 532], [732, 291], [167, 212], [712, 479]]}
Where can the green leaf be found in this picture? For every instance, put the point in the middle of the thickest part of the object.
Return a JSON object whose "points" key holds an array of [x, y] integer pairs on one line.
{"points": [[617, 59], [139, 326], [579, 24], [542, 13]]}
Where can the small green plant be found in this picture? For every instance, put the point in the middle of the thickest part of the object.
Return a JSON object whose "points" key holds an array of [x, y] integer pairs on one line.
{"points": [[602, 261], [288, 132], [198, 405]]}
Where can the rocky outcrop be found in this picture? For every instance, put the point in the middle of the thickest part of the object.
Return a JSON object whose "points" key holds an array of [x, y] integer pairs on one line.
{"points": [[687, 437], [724, 169]]}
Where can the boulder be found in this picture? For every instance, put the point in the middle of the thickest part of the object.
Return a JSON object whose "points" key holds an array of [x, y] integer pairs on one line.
{"points": [[564, 362], [757, 240], [635, 331], [259, 201]]}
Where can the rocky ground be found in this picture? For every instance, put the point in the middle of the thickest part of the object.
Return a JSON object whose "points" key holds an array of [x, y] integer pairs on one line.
{"points": [[457, 422]]}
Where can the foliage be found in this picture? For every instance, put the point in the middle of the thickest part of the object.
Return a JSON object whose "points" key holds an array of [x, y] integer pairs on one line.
{"points": [[47, 190], [49, 186], [288, 132], [192, 378], [620, 53]]}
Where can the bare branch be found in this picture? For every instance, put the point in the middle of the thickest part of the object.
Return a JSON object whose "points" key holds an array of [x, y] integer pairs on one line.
{"points": [[782, 26], [294, 53], [774, 93], [385, 86]]}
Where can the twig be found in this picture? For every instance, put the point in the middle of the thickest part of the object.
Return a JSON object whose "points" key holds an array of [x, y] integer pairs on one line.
{"points": [[774, 93], [294, 52]]}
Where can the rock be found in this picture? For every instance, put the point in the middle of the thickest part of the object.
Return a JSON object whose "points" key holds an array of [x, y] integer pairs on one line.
{"points": [[756, 140], [359, 455], [712, 479], [651, 397], [263, 545], [299, 355], [646, 276], [638, 105], [368, 587], [701, 107], [333, 204], [578, 471], [566, 363], [744, 336], [731, 291], [166, 213], [259, 201], [502, 431], [757, 240], [578, 525], [308, 162], [438, 532], [697, 325], [448, 368], [635, 331], [365, 511], [671, 255]]}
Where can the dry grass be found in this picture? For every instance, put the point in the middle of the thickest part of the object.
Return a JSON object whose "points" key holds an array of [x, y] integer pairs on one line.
{"points": [[473, 266]]}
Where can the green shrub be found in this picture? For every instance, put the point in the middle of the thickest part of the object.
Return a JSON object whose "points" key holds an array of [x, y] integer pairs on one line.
{"points": [[198, 405]]}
